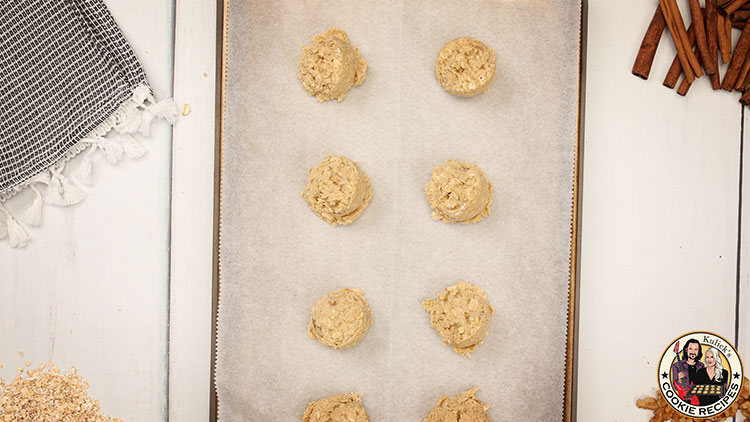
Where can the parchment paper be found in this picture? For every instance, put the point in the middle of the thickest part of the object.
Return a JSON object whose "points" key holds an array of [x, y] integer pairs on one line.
{"points": [[278, 258]]}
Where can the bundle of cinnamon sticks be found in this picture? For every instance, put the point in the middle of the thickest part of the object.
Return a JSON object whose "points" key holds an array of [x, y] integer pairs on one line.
{"points": [[700, 46]]}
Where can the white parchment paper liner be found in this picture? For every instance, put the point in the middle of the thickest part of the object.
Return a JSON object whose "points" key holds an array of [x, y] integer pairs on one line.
{"points": [[277, 257]]}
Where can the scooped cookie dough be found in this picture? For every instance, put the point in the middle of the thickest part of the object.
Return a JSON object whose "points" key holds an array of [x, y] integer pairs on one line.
{"points": [[459, 192], [337, 190], [340, 319], [465, 407], [461, 315], [465, 67], [330, 66], [340, 408]]}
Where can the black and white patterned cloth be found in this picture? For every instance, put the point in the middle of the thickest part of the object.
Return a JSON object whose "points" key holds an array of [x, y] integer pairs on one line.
{"points": [[67, 77]]}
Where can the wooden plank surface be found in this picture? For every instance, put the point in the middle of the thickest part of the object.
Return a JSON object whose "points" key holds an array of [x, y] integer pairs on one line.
{"points": [[659, 253], [91, 289], [660, 214], [192, 213]]}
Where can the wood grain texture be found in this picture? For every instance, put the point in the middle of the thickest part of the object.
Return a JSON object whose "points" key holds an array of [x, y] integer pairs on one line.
{"points": [[659, 232], [91, 289], [192, 213], [659, 217]]}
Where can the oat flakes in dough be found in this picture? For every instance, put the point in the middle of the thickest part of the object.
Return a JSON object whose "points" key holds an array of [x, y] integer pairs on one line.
{"points": [[340, 408], [330, 66], [337, 190], [459, 192], [465, 67], [340, 319], [465, 407], [461, 316]]}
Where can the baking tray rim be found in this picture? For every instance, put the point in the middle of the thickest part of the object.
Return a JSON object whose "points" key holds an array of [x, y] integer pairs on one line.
{"points": [[571, 349]]}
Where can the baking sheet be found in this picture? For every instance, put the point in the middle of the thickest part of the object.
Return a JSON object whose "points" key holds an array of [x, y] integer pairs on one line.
{"points": [[277, 258]]}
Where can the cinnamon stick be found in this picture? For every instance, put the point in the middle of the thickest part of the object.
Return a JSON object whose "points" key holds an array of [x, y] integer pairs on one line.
{"points": [[740, 15], [712, 40], [675, 70], [743, 73], [738, 24], [745, 83], [700, 37], [745, 98], [733, 6], [645, 57], [685, 85], [725, 43], [675, 34], [738, 59], [674, 13]]}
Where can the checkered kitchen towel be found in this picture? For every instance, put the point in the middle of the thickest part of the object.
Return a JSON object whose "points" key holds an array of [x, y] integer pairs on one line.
{"points": [[67, 78]]}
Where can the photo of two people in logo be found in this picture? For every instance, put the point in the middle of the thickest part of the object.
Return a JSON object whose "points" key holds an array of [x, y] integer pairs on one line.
{"points": [[690, 371]]}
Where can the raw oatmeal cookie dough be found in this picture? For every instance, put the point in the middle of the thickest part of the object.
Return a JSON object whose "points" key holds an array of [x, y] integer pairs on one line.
{"points": [[330, 66], [465, 407], [340, 319], [465, 67], [337, 190], [340, 408], [461, 315], [459, 192]]}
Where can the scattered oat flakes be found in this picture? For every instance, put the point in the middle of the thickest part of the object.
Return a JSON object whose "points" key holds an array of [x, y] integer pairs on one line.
{"points": [[20, 353], [45, 395], [186, 110]]}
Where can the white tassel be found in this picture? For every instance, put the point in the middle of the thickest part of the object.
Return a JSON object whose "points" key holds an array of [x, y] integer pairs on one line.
{"points": [[166, 109], [71, 194], [3, 231], [141, 94], [17, 237], [113, 150], [147, 118], [133, 149], [63, 192], [85, 171], [54, 192], [131, 121], [33, 215]]}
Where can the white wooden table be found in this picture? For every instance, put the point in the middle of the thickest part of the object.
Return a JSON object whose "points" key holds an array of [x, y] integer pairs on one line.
{"points": [[120, 286]]}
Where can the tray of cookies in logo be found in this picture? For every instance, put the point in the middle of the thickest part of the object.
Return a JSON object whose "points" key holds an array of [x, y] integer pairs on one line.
{"points": [[398, 210]]}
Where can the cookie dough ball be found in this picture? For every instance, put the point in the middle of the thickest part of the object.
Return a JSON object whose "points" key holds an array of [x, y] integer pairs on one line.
{"points": [[330, 66], [465, 407], [459, 192], [337, 190], [465, 67], [340, 319], [340, 408], [461, 315]]}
